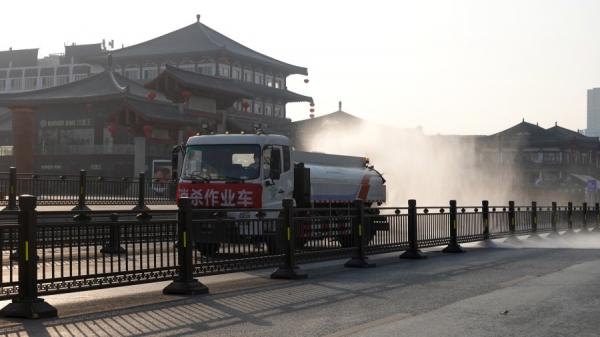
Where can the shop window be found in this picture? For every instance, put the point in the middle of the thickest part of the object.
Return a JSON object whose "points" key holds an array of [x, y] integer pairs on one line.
{"points": [[16, 84], [206, 69], [30, 83], [47, 81], [258, 78], [248, 75], [63, 79], [150, 73], [132, 73], [224, 70], [236, 73], [258, 108]]}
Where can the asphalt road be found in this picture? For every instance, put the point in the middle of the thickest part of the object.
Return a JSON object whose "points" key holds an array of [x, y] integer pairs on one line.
{"points": [[485, 292]]}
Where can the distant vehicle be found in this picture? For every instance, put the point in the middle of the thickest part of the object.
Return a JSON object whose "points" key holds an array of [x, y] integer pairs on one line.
{"points": [[237, 171]]}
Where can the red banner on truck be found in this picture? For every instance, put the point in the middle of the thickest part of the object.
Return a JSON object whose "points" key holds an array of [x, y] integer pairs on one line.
{"points": [[221, 195]]}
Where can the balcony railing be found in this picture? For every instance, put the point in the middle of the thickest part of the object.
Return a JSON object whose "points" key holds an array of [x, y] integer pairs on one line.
{"points": [[87, 149]]}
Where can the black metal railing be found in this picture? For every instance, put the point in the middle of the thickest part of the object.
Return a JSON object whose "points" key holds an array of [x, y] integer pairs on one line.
{"points": [[50, 252], [82, 189]]}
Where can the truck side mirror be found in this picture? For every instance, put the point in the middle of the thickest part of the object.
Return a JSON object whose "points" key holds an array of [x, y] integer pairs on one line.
{"points": [[175, 161], [275, 164]]}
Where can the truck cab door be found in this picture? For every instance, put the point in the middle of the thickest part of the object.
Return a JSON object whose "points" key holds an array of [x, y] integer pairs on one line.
{"points": [[277, 182]]}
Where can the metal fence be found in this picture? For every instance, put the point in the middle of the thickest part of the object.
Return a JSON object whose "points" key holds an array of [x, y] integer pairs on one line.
{"points": [[83, 190], [50, 252]]}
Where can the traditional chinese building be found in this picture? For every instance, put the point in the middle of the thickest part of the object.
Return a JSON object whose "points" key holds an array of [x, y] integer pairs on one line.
{"points": [[547, 164], [72, 111]]}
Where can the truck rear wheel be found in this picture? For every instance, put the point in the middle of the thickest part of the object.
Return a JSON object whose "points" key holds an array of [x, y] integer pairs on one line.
{"points": [[208, 249], [347, 240]]}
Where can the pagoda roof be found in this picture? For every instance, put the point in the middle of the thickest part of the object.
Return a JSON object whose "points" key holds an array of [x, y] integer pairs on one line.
{"points": [[18, 58], [227, 86], [103, 86], [529, 134], [523, 129], [566, 134], [266, 91], [201, 82], [198, 38], [337, 117]]}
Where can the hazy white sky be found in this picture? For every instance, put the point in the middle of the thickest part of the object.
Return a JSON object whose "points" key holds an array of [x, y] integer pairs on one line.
{"points": [[450, 66]]}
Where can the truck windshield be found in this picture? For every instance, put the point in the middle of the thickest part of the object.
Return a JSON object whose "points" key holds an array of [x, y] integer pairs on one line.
{"points": [[221, 162]]}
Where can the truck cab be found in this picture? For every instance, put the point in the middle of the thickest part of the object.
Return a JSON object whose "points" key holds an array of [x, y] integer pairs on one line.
{"points": [[237, 171]]}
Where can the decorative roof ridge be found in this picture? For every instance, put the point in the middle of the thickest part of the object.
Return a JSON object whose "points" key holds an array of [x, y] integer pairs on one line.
{"points": [[144, 100], [203, 28], [116, 83]]}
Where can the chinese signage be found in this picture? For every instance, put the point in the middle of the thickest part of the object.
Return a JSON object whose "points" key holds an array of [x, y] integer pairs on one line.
{"points": [[65, 122], [221, 195]]}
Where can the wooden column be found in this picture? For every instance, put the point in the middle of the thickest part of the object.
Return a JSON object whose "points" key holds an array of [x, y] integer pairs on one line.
{"points": [[23, 130]]}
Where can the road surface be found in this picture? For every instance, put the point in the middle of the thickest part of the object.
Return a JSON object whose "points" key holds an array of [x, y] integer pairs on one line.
{"points": [[485, 292]]}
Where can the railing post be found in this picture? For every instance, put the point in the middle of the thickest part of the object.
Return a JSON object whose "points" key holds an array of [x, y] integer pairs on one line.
{"points": [[534, 222], [12, 190], [570, 218], [512, 237], [554, 220], [185, 283], [81, 206], [114, 237], [28, 304], [413, 251], [288, 270], [140, 207], [453, 246], [584, 228], [596, 216], [485, 218], [359, 230]]}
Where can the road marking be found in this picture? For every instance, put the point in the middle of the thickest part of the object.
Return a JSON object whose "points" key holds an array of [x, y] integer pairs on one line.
{"points": [[365, 326]]}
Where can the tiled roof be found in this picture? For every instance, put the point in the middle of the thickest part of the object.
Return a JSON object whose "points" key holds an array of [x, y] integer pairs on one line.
{"points": [[198, 38]]}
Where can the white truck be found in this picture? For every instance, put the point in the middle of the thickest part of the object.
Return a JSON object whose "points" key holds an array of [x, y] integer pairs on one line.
{"points": [[229, 172]]}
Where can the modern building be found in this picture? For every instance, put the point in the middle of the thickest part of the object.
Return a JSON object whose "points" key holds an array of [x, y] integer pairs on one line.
{"points": [[85, 108], [593, 112]]}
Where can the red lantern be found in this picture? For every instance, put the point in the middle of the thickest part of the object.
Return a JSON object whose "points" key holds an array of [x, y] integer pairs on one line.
{"points": [[312, 104], [306, 80], [151, 95], [312, 110], [312, 115], [147, 130], [186, 95], [245, 105], [112, 129]]}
